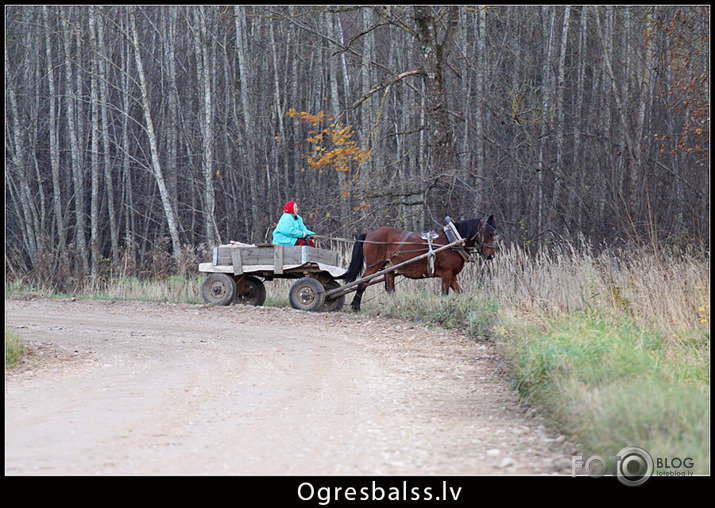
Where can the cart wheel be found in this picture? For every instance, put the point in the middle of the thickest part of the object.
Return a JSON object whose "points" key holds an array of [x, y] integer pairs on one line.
{"points": [[335, 304], [218, 289], [250, 291], [307, 294]]}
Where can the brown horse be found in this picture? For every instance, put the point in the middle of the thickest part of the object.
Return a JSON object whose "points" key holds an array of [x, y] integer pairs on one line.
{"points": [[388, 246]]}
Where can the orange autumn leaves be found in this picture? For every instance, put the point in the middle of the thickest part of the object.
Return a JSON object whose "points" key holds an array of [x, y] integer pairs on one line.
{"points": [[332, 145]]}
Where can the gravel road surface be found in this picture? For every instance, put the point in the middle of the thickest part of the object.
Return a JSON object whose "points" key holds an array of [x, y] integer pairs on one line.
{"points": [[136, 388]]}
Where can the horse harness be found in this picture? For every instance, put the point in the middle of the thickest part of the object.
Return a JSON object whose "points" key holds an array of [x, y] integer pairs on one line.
{"points": [[428, 237], [450, 231], [452, 235]]}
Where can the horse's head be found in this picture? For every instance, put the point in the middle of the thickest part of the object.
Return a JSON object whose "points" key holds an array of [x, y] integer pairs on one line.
{"points": [[486, 238]]}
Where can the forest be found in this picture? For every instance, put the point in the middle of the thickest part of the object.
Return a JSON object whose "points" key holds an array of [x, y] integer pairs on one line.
{"points": [[145, 131]]}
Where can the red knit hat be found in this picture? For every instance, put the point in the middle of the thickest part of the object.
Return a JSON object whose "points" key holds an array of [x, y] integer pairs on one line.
{"points": [[289, 207]]}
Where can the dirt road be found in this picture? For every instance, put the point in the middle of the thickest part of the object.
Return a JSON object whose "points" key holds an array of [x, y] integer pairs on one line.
{"points": [[132, 388]]}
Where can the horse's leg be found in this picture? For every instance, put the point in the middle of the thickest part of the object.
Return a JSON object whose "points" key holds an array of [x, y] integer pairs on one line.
{"points": [[455, 285], [358, 297], [449, 280], [390, 282], [446, 282], [361, 289]]}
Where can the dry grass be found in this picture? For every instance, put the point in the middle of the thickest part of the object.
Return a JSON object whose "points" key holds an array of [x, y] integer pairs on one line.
{"points": [[664, 293]]}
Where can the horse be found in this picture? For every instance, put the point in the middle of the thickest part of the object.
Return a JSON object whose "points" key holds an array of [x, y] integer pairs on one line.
{"points": [[388, 246]]}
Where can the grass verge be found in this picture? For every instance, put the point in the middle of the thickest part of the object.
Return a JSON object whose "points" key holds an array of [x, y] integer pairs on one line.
{"points": [[610, 383], [470, 313], [15, 347]]}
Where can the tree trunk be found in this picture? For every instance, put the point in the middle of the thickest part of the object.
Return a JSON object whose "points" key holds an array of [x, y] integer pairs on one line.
{"points": [[27, 209], [203, 70], [104, 98], [173, 126], [559, 170], [479, 106], [335, 106], [130, 225], [549, 22], [248, 130], [620, 97], [435, 50], [77, 169], [55, 151], [94, 155], [155, 161], [578, 165]]}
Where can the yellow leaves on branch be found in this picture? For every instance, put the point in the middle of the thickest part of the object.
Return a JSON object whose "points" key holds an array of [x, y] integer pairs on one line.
{"points": [[311, 119], [332, 146]]}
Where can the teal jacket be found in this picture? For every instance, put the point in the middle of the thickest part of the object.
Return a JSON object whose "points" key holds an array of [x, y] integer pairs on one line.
{"points": [[289, 229]]}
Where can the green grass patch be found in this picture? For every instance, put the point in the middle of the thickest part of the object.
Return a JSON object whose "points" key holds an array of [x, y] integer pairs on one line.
{"points": [[610, 383], [15, 347]]}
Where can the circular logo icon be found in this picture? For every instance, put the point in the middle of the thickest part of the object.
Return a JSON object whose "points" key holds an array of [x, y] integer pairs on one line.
{"points": [[635, 466]]}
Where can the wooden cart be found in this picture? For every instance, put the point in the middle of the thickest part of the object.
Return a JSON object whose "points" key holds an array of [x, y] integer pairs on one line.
{"points": [[237, 272]]}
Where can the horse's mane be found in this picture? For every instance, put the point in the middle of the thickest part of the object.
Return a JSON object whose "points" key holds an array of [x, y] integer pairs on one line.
{"points": [[469, 228]]}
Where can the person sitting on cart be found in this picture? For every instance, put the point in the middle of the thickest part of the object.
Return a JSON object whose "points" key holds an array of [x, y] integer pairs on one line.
{"points": [[290, 229]]}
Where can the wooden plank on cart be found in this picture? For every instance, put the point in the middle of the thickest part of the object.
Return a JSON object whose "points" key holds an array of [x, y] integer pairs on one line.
{"points": [[292, 255], [278, 259], [236, 261]]}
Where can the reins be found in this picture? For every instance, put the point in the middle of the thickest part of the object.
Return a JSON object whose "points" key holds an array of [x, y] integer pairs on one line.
{"points": [[347, 240]]}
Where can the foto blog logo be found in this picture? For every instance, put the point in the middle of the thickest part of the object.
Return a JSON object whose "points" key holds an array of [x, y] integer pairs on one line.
{"points": [[632, 466]]}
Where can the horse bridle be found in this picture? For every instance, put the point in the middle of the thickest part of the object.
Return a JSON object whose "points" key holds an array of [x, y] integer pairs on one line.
{"points": [[480, 246]]}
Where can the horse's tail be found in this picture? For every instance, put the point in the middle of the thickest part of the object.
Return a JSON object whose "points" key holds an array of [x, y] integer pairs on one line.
{"points": [[356, 263]]}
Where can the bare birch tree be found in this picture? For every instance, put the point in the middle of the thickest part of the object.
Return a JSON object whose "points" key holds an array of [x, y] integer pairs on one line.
{"points": [[151, 135]]}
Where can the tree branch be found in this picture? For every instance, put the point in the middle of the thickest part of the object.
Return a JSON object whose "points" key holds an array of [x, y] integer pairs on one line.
{"points": [[379, 87]]}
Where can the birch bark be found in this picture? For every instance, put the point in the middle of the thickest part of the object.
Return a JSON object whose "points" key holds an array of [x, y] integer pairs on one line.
{"points": [[104, 104], [77, 170], [55, 147], [169, 211]]}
